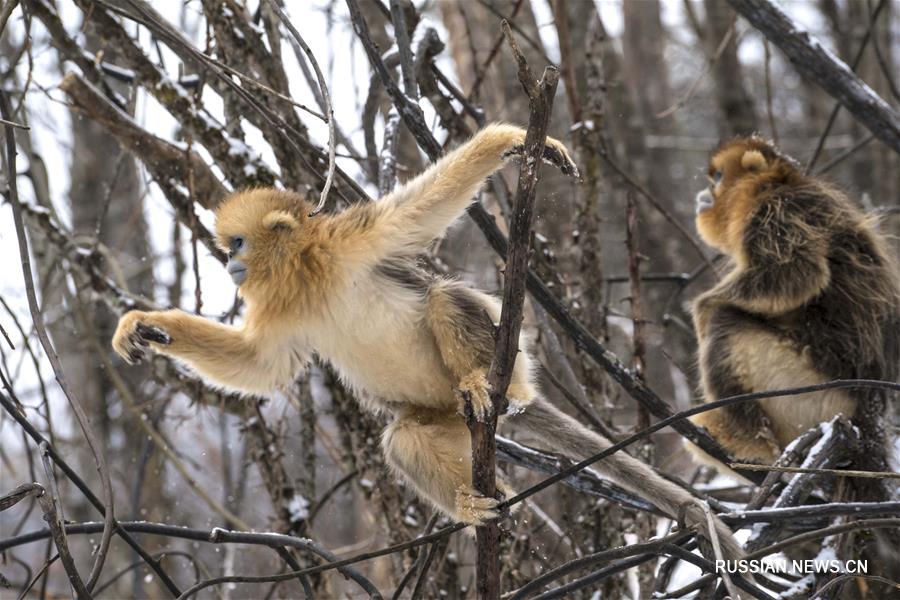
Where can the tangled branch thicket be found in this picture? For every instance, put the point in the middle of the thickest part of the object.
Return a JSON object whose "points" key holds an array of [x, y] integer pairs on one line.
{"points": [[136, 482]]}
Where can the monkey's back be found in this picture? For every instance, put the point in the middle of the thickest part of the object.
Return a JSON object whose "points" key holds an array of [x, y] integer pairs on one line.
{"points": [[851, 328]]}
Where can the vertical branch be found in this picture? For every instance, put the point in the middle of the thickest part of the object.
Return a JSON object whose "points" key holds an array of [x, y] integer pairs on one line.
{"points": [[401, 33], [634, 278], [767, 74], [484, 445], [566, 60], [387, 164], [642, 521]]}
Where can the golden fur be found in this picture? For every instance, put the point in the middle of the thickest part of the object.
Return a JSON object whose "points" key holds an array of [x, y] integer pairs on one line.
{"points": [[812, 296], [345, 287]]}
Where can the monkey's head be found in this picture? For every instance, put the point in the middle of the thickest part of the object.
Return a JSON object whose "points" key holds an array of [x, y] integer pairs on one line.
{"points": [[262, 232], [736, 171]]}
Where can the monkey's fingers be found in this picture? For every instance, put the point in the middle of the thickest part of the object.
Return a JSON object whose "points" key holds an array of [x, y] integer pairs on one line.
{"points": [[149, 333], [554, 154], [517, 150], [503, 511], [557, 156], [135, 357]]}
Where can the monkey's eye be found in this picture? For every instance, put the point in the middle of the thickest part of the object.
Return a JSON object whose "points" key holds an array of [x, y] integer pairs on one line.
{"points": [[236, 245], [717, 177]]}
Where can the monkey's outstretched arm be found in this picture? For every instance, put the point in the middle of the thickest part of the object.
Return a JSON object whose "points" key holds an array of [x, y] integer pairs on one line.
{"points": [[783, 266], [407, 219], [221, 353]]}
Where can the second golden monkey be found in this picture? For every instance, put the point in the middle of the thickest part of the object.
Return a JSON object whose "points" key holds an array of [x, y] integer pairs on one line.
{"points": [[812, 296], [346, 288]]}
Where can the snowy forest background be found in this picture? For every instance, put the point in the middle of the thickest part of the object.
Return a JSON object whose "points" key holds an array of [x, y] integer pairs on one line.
{"points": [[135, 118]]}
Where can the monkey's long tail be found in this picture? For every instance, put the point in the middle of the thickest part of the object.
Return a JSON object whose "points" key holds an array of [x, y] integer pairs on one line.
{"points": [[578, 442]]}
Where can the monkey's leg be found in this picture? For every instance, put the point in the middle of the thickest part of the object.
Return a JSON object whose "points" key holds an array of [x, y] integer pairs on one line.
{"points": [[743, 429], [462, 321], [433, 452], [744, 353]]}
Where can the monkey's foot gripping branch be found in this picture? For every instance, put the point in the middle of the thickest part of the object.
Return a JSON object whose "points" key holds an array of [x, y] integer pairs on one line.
{"points": [[474, 392], [476, 509]]}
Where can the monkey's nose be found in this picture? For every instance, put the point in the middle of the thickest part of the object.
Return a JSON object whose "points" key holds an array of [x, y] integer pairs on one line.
{"points": [[705, 201], [237, 270]]}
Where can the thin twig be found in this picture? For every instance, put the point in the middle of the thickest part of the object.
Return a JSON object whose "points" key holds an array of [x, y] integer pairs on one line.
{"points": [[815, 511], [717, 549], [329, 109], [401, 35], [387, 164], [767, 75], [632, 244], [47, 563], [840, 472], [886, 69], [53, 515], [14, 124]]}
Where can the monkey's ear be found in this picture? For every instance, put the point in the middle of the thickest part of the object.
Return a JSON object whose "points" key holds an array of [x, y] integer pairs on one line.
{"points": [[280, 220], [753, 160]]}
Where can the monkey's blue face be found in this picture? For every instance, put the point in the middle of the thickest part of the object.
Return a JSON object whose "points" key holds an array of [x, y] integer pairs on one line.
{"points": [[236, 266]]}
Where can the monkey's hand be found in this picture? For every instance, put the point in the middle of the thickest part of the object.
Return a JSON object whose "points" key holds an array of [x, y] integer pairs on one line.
{"points": [[137, 331], [555, 153], [474, 391]]}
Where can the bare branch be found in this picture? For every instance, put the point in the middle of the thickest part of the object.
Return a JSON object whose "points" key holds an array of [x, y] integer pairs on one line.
{"points": [[484, 445], [326, 97], [165, 161], [9, 164], [814, 62], [79, 483]]}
